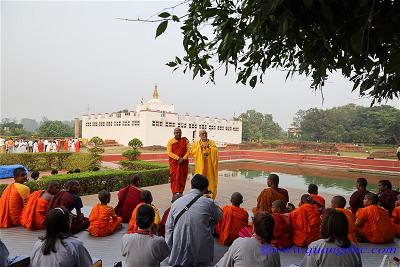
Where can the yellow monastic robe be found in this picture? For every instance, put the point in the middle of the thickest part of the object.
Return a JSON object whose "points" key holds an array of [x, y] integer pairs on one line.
{"points": [[207, 165]]}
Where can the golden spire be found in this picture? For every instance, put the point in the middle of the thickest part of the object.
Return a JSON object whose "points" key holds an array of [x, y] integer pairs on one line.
{"points": [[155, 92]]}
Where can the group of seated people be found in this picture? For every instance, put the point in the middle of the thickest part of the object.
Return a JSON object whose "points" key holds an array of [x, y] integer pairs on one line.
{"points": [[371, 218]]}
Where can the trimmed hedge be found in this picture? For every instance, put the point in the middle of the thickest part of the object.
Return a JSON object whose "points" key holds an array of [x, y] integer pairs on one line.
{"points": [[93, 182], [134, 165], [51, 160]]}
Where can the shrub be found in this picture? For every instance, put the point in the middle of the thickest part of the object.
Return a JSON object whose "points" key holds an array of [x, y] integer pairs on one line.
{"points": [[93, 182], [49, 161], [135, 143], [130, 165], [132, 154], [97, 141]]}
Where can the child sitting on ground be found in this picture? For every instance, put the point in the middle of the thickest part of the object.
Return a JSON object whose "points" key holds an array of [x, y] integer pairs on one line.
{"points": [[283, 231]]}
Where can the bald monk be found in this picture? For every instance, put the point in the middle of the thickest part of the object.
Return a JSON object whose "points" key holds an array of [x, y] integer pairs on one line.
{"points": [[234, 218], [161, 226], [306, 222], [146, 198], [128, 199], [396, 217], [357, 198], [103, 220], [313, 192], [338, 203], [269, 195], [373, 222], [283, 231], [34, 212], [14, 198]]}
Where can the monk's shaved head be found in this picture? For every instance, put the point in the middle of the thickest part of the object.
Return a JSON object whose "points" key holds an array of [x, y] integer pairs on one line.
{"points": [[306, 198], [338, 202], [175, 197], [104, 196], [146, 196], [279, 206], [273, 180], [135, 180], [236, 199], [372, 198], [177, 133], [72, 186], [313, 189], [53, 187]]}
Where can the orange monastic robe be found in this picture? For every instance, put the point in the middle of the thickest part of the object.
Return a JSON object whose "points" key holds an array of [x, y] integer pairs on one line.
{"points": [[178, 173], [34, 212], [132, 227], [306, 224], [12, 203], [377, 227], [283, 231], [233, 219], [318, 199], [103, 220], [351, 219], [396, 221], [269, 195]]}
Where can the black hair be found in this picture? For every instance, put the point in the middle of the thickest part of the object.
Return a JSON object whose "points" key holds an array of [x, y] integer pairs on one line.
{"points": [[313, 189], [386, 183], [54, 172], [274, 178], [264, 226], [339, 201], [145, 216], [146, 196], [18, 172], [335, 227], [57, 227], [199, 182], [35, 175], [104, 195], [362, 182]]}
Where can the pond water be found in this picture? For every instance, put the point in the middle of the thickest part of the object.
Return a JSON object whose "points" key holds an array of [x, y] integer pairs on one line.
{"points": [[334, 181]]}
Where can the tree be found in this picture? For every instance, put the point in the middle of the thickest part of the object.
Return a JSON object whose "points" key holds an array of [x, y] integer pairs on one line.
{"points": [[97, 141], [359, 38], [134, 153], [10, 127], [135, 143], [257, 126], [55, 129]]}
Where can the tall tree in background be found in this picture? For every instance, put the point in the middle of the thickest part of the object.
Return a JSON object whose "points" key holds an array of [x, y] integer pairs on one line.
{"points": [[55, 129], [257, 126]]}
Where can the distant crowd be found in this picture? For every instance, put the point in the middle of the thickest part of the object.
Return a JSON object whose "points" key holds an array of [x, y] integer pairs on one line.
{"points": [[39, 145]]}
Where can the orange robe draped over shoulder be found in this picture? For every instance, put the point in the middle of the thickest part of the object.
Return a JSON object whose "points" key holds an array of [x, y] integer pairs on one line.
{"points": [[306, 224], [351, 219], [269, 195], [377, 226], [233, 220], [103, 220], [396, 221], [178, 172], [12, 203], [132, 227], [34, 212], [283, 231], [318, 199]]}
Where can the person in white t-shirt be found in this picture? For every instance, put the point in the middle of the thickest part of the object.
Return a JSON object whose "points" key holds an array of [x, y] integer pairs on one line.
{"points": [[30, 146], [48, 147], [53, 146], [2, 145], [35, 147], [45, 143]]}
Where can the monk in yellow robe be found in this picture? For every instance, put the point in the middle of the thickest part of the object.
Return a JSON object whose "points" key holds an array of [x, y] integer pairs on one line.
{"points": [[234, 218], [146, 198], [14, 198], [313, 192], [35, 210], [269, 195], [373, 222], [338, 203], [396, 217], [103, 220], [306, 222], [205, 153]]}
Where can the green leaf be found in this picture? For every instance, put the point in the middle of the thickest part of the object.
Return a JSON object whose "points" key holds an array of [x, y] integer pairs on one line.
{"points": [[175, 18], [161, 28], [253, 81], [178, 60], [164, 15], [171, 64]]}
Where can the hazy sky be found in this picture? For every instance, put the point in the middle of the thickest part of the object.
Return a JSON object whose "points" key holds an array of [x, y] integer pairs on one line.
{"points": [[59, 58]]}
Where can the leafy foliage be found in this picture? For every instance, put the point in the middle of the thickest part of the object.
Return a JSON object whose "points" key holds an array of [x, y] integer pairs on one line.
{"points": [[55, 129], [359, 38], [135, 143], [351, 123], [11, 128], [130, 165], [97, 141], [132, 154], [257, 126]]}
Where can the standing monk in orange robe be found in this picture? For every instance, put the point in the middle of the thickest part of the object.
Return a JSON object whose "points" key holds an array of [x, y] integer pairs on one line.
{"points": [[373, 222], [283, 231], [14, 199], [161, 226], [128, 199], [306, 222], [66, 146], [269, 195], [338, 203], [77, 145], [396, 217], [103, 220], [178, 150], [146, 198], [34, 212], [313, 191], [234, 218], [40, 145]]}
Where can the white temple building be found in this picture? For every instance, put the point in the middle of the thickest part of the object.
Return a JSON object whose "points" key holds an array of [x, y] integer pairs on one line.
{"points": [[154, 122]]}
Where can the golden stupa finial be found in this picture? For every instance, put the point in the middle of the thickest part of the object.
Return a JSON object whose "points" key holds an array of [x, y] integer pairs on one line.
{"points": [[155, 92]]}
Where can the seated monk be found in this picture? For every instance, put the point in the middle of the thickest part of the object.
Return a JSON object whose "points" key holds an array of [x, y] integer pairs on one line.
{"points": [[306, 222], [396, 217], [338, 203], [146, 198], [71, 200], [283, 231], [161, 226], [14, 198], [269, 195], [128, 199], [357, 198], [313, 192], [233, 219], [103, 220], [373, 222], [387, 196], [34, 212]]}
